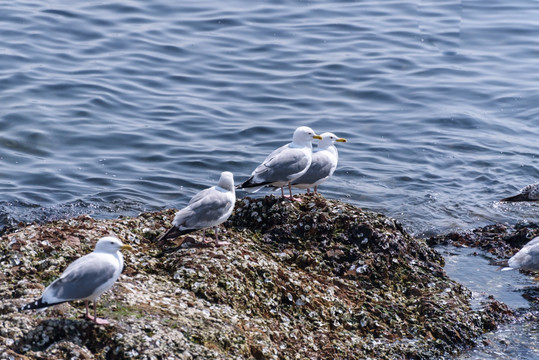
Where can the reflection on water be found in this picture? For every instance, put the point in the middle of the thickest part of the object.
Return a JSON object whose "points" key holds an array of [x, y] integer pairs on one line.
{"points": [[517, 340]]}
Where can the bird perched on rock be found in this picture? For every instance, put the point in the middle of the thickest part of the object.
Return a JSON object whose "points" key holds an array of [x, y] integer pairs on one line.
{"points": [[323, 165], [526, 258], [528, 193], [86, 278], [284, 164], [208, 208]]}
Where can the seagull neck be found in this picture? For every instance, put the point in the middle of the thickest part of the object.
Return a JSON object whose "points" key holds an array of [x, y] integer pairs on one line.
{"points": [[299, 146], [331, 148], [120, 258], [222, 189]]}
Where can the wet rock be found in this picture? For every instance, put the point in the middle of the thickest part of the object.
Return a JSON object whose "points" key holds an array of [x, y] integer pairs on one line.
{"points": [[500, 240], [311, 279]]}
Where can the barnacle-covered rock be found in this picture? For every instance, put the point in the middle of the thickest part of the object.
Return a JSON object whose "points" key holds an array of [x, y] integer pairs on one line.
{"points": [[500, 240], [311, 279]]}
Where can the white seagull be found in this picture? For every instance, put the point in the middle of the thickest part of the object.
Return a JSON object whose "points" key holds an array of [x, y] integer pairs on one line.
{"points": [[323, 165], [526, 258], [528, 193], [284, 164], [208, 208], [86, 278]]}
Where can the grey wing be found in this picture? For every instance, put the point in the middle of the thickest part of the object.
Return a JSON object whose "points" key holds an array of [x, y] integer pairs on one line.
{"points": [[264, 166], [205, 212], [282, 164], [533, 241], [82, 278], [534, 258], [320, 168], [201, 194]]}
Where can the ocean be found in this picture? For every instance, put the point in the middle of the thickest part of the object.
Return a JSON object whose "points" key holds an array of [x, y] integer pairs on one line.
{"points": [[118, 108], [114, 108]]}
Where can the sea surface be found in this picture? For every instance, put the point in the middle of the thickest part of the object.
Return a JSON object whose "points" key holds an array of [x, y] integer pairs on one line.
{"points": [[110, 108]]}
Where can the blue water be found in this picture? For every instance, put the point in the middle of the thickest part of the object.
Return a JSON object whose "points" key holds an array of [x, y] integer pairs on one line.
{"points": [[112, 108], [517, 339]]}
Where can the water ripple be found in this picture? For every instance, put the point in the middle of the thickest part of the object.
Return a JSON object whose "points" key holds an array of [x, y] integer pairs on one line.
{"points": [[127, 106]]}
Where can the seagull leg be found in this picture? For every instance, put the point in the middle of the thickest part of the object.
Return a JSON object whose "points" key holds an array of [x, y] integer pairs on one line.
{"points": [[94, 318], [282, 192], [315, 189], [204, 241], [291, 197], [217, 242], [95, 313]]}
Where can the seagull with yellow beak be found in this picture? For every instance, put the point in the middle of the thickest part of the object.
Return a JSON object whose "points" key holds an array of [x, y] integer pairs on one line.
{"points": [[285, 164]]}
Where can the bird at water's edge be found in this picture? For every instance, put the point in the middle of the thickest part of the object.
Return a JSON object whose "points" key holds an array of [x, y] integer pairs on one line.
{"points": [[323, 165], [284, 164], [528, 193], [526, 258], [208, 208]]}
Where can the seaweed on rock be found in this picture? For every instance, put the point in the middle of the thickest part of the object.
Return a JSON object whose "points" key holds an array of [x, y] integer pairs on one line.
{"points": [[314, 279]]}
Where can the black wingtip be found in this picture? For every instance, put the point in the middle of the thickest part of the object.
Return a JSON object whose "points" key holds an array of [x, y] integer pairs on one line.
{"points": [[519, 197], [38, 304], [247, 183], [250, 184], [173, 233]]}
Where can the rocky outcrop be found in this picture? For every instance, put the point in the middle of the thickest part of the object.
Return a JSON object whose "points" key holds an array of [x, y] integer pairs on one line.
{"points": [[316, 279]]}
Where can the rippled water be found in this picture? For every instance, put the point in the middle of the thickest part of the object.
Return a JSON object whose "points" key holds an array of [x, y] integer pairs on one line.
{"points": [[113, 108], [518, 339]]}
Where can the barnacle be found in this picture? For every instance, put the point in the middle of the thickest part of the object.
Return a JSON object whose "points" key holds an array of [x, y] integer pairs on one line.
{"points": [[316, 279]]}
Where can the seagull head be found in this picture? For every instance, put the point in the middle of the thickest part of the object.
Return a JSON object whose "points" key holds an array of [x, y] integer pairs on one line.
{"points": [[110, 244], [329, 139], [226, 181], [304, 135]]}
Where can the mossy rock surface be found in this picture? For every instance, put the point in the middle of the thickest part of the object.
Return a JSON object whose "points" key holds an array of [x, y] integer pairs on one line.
{"points": [[315, 279]]}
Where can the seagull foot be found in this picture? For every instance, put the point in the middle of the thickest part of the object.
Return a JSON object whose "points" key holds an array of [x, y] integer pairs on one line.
{"points": [[222, 243], [96, 320], [291, 198]]}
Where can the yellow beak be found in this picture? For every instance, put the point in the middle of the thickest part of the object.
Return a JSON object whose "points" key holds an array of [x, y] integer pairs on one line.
{"points": [[126, 247], [317, 137], [341, 140]]}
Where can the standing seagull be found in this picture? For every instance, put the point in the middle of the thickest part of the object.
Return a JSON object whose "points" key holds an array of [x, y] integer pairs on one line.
{"points": [[528, 193], [526, 258], [208, 208], [284, 164], [86, 278], [324, 163]]}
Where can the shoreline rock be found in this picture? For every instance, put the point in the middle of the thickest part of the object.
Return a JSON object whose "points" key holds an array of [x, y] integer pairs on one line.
{"points": [[500, 240], [316, 279]]}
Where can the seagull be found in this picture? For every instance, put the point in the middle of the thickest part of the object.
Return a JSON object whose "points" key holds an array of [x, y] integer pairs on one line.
{"points": [[208, 208], [86, 278], [526, 258], [284, 164], [528, 193], [324, 163]]}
